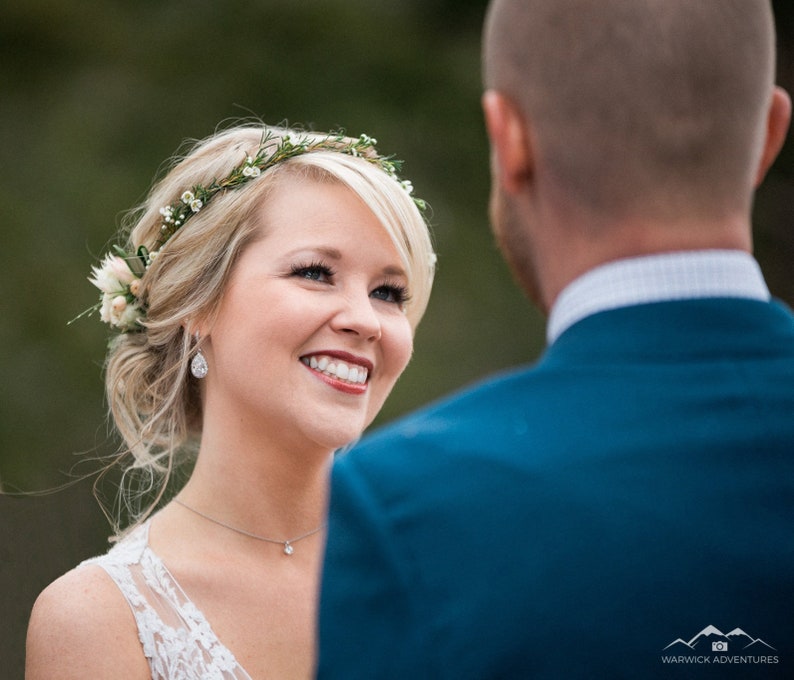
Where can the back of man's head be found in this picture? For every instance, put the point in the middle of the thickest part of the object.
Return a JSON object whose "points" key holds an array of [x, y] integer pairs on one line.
{"points": [[649, 108]]}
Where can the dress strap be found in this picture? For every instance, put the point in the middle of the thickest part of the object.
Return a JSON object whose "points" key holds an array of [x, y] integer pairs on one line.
{"points": [[176, 638]]}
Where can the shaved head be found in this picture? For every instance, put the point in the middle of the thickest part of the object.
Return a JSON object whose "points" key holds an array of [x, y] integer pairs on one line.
{"points": [[639, 107]]}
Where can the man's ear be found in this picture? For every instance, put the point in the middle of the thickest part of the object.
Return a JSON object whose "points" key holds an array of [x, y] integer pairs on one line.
{"points": [[777, 122], [511, 153]]}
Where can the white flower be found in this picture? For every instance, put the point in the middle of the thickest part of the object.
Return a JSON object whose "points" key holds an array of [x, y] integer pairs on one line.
{"points": [[366, 139], [407, 185], [103, 280], [113, 275], [104, 310], [131, 317], [121, 270], [188, 197], [195, 205], [118, 305], [119, 286], [127, 318], [251, 171]]}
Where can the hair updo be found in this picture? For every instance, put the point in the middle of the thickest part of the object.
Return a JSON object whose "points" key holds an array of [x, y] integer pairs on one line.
{"points": [[153, 400]]}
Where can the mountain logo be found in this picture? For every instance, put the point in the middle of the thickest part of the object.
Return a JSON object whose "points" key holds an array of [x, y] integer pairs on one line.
{"points": [[712, 639]]}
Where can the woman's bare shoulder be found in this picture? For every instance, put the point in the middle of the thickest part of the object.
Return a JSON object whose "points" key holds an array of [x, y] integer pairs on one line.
{"points": [[82, 627]]}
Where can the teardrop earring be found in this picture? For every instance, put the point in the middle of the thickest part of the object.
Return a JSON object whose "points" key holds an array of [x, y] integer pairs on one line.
{"points": [[198, 364]]}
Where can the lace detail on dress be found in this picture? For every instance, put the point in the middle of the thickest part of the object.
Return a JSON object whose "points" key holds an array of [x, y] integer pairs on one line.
{"points": [[177, 640]]}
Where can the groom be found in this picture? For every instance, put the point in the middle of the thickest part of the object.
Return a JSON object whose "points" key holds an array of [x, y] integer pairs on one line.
{"points": [[624, 508]]}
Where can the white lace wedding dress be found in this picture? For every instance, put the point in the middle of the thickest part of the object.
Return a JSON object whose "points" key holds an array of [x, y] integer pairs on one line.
{"points": [[177, 640]]}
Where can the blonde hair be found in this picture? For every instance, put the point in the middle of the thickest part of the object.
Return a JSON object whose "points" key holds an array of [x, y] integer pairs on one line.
{"points": [[153, 400]]}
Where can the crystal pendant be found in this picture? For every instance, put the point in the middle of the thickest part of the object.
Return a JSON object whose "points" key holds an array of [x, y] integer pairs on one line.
{"points": [[288, 549], [198, 366]]}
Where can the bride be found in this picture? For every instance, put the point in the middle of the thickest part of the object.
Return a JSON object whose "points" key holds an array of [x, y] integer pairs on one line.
{"points": [[265, 303]]}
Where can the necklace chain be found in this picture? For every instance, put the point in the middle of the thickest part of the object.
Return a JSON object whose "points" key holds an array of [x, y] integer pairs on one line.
{"points": [[288, 549]]}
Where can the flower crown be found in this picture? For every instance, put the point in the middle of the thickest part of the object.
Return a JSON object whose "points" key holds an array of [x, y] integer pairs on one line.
{"points": [[118, 277]]}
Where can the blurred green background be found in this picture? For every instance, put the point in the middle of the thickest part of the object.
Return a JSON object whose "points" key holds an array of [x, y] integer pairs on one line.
{"points": [[94, 96]]}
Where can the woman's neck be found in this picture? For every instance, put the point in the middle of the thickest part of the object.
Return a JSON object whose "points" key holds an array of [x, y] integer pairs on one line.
{"points": [[244, 479]]}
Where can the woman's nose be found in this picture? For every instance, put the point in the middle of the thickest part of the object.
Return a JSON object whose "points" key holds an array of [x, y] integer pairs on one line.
{"points": [[357, 315]]}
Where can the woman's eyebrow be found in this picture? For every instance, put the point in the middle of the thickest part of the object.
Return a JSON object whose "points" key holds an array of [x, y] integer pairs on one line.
{"points": [[328, 251]]}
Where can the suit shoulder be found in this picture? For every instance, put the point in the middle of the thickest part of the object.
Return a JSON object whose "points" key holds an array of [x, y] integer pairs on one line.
{"points": [[81, 626], [486, 404]]}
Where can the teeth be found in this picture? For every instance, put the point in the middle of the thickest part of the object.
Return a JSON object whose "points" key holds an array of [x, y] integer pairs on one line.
{"points": [[337, 369]]}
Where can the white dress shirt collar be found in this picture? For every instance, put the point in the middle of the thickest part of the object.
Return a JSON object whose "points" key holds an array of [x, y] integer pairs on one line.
{"points": [[654, 278]]}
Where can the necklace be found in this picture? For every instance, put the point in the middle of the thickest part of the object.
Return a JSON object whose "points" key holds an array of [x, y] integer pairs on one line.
{"points": [[288, 549]]}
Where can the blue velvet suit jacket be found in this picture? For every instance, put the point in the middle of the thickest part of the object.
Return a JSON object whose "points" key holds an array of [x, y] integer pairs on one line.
{"points": [[623, 509]]}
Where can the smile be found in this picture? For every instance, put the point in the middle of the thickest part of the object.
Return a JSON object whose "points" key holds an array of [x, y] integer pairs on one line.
{"points": [[348, 372]]}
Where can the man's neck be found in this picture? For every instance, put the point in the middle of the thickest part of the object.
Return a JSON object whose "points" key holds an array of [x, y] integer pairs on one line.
{"points": [[657, 278], [593, 245]]}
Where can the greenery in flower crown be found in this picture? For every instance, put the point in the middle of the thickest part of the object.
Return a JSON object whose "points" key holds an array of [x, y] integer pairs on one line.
{"points": [[118, 276]]}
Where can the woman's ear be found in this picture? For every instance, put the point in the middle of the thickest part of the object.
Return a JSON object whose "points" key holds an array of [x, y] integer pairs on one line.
{"points": [[512, 160], [777, 122], [196, 328]]}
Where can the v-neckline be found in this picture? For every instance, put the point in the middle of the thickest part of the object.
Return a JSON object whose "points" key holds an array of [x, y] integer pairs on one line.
{"points": [[195, 615]]}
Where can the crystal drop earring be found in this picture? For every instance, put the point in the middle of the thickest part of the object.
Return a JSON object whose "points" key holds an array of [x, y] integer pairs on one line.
{"points": [[198, 364]]}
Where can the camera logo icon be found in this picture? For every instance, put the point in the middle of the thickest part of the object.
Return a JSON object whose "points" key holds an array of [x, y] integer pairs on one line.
{"points": [[719, 646]]}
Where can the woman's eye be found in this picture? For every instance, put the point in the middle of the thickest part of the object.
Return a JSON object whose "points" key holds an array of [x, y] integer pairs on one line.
{"points": [[313, 272], [389, 293]]}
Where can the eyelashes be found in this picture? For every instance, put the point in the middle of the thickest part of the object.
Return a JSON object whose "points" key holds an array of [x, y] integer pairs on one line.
{"points": [[313, 271], [392, 292], [388, 291]]}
